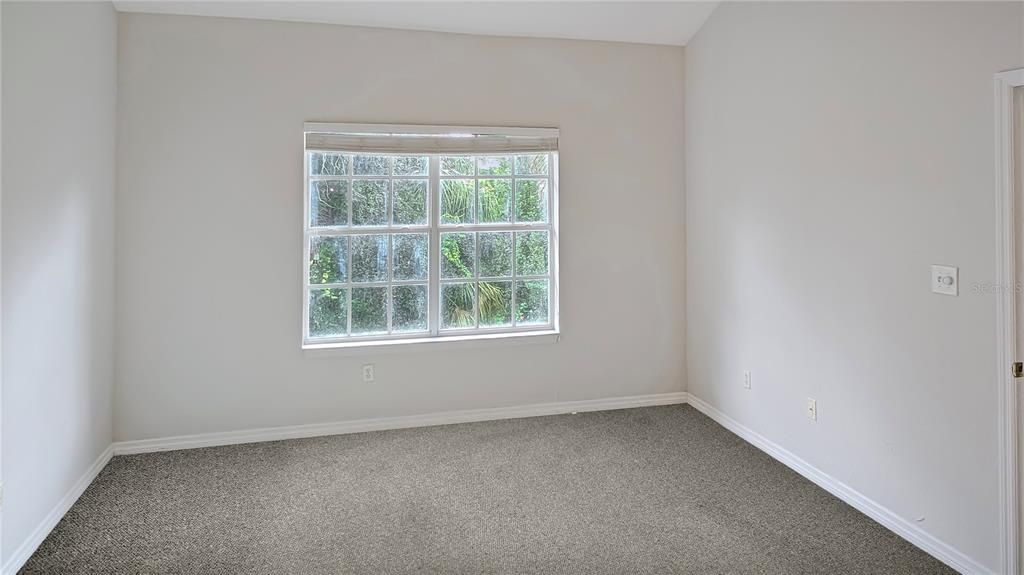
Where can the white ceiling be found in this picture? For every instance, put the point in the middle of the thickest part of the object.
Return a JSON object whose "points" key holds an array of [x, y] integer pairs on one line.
{"points": [[666, 22]]}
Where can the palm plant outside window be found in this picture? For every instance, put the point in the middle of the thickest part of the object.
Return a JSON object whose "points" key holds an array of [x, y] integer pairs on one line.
{"points": [[428, 233]]}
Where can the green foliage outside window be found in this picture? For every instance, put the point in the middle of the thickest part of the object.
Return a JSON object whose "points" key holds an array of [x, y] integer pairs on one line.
{"points": [[492, 300], [369, 310], [495, 303], [495, 201], [532, 302], [463, 200], [457, 201], [328, 260], [532, 253], [328, 312]]}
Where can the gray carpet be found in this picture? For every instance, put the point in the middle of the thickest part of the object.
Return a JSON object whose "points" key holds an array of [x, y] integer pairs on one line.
{"points": [[651, 490]]}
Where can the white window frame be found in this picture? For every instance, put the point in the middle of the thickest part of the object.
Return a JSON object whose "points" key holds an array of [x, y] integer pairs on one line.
{"points": [[434, 229]]}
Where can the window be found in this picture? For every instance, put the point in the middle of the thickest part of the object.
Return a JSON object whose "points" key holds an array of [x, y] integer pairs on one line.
{"points": [[433, 233]]}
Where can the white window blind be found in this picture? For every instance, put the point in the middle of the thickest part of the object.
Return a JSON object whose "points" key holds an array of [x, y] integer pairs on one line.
{"points": [[450, 142]]}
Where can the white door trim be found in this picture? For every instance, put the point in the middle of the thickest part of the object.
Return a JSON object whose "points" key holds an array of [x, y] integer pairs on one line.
{"points": [[1006, 348]]}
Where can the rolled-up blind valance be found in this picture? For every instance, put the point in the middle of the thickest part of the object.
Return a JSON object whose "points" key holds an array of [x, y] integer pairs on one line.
{"points": [[415, 140]]}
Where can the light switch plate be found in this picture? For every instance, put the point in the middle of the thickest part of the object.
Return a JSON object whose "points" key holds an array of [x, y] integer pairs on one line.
{"points": [[946, 280]]}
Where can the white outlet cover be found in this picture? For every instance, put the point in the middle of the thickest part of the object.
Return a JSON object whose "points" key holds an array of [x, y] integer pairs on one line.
{"points": [[812, 409], [946, 280]]}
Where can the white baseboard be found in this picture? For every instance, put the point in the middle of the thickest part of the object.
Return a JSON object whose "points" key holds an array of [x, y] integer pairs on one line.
{"points": [[22, 554], [29, 546], [905, 529], [887, 518], [383, 423]]}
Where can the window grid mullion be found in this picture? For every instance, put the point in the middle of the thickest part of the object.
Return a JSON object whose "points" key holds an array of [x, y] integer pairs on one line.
{"points": [[390, 243], [329, 177], [366, 231], [476, 252], [515, 219], [514, 266], [434, 254], [306, 219], [387, 288], [552, 242], [343, 285], [495, 227], [475, 216], [348, 251]]}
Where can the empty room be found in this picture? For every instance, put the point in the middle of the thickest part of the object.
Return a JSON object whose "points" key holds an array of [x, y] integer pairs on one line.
{"points": [[511, 287]]}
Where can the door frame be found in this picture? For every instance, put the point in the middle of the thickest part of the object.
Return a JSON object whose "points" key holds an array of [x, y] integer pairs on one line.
{"points": [[1006, 337]]}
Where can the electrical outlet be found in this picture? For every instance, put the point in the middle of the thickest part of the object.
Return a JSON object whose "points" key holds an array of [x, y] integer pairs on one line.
{"points": [[368, 372], [812, 409], [746, 380], [946, 280]]}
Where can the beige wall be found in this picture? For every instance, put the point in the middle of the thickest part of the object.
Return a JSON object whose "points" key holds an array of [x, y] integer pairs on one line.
{"points": [[210, 201], [834, 152], [59, 89]]}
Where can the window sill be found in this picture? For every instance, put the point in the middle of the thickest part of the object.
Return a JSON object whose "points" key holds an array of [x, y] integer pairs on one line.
{"points": [[445, 343]]}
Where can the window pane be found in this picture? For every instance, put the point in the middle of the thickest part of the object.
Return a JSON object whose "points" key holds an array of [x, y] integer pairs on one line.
{"points": [[369, 258], [457, 166], [457, 255], [409, 308], [328, 201], [410, 256], [532, 200], [328, 260], [457, 201], [369, 310], [532, 165], [532, 302], [328, 164], [369, 201], [458, 305], [495, 254], [328, 312], [494, 166], [371, 165], [410, 202], [532, 253], [491, 278], [495, 303], [411, 165], [495, 201]]}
